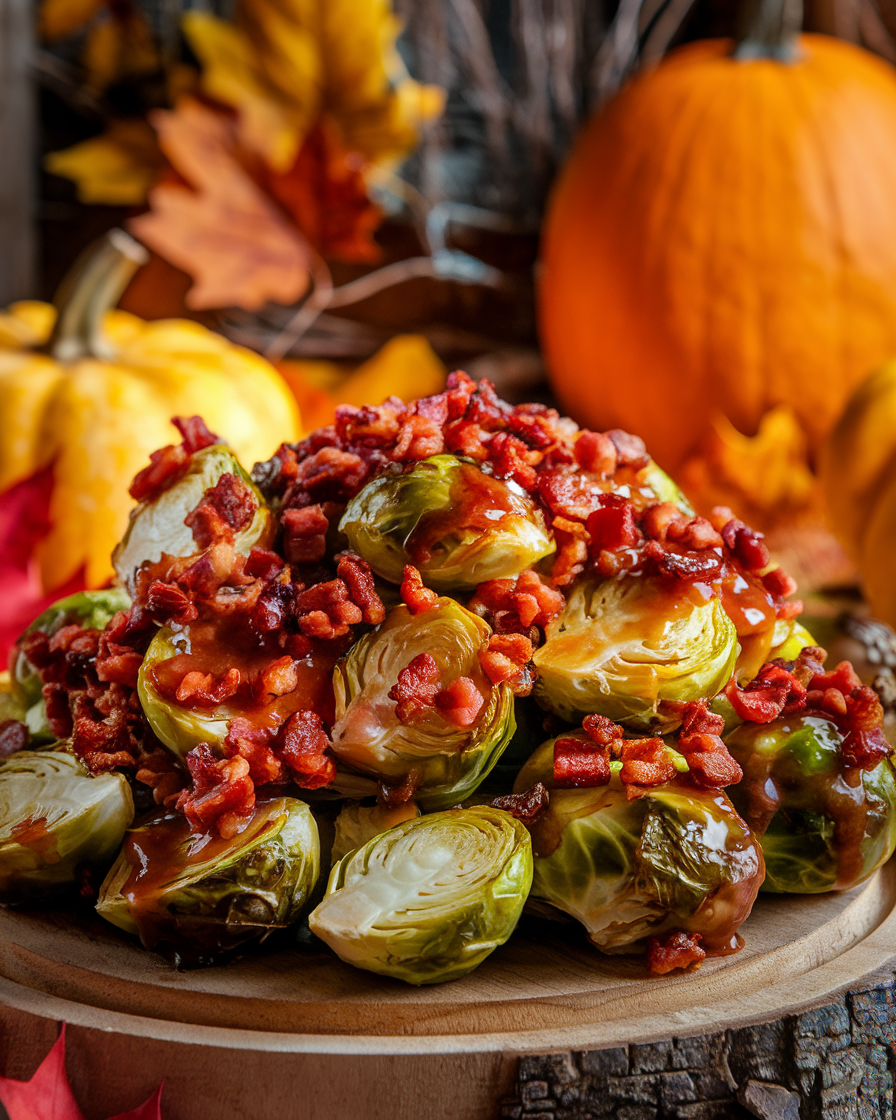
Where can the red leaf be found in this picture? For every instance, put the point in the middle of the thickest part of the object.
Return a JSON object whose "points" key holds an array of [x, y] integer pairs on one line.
{"points": [[47, 1095], [25, 520]]}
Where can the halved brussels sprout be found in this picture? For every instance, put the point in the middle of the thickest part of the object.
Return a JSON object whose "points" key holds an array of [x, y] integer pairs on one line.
{"points": [[459, 526], [676, 858], [789, 639], [157, 526], [428, 900], [449, 761], [822, 825], [198, 895], [656, 479], [90, 609], [55, 817], [210, 647], [357, 823], [623, 645]]}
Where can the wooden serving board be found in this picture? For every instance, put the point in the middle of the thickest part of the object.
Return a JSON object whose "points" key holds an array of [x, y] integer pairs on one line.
{"points": [[294, 1033]]}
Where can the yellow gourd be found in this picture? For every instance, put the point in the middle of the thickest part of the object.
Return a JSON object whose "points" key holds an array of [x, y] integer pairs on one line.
{"points": [[92, 392]]}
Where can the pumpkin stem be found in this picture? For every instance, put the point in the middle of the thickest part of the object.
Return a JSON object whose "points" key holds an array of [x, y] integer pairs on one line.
{"points": [[91, 287], [769, 29]]}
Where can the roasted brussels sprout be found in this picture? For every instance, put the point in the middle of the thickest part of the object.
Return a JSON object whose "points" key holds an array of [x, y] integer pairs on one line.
{"points": [[665, 490], [157, 526], [357, 823], [198, 895], [373, 735], [675, 858], [212, 647], [459, 526], [90, 609], [789, 638], [428, 900], [624, 644], [822, 825], [56, 817]]}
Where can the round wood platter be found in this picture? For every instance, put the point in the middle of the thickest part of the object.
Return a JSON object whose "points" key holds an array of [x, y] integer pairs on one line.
{"points": [[242, 1040]]}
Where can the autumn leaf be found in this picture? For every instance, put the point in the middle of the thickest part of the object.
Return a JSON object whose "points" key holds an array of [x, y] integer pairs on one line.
{"points": [[324, 192], [221, 229], [114, 169], [48, 1096], [287, 62]]}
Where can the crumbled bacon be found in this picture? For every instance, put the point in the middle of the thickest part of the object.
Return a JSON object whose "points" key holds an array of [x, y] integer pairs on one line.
{"points": [[630, 450], [304, 534], [674, 950], [511, 458], [645, 762], [460, 702], [506, 660], [526, 807], [694, 533], [579, 763], [612, 527], [303, 749], [225, 509], [165, 466], [414, 595], [516, 606], [394, 796], [689, 567], [325, 610], [746, 545], [778, 583], [204, 690], [601, 730], [222, 794], [709, 763], [166, 602], [194, 433], [13, 737], [415, 690], [418, 438], [774, 691], [358, 578], [596, 453]]}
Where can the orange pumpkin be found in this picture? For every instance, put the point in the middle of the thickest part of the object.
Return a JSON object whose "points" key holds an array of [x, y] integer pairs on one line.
{"points": [[723, 240]]}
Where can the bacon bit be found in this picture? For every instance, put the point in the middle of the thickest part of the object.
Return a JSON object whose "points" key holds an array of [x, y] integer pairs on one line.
{"points": [[512, 459], [674, 950], [694, 533], [303, 751], [358, 578], [658, 519], [277, 679], [596, 452], [304, 534], [601, 730], [222, 795], [746, 545], [579, 764], [569, 495], [844, 678], [506, 660], [415, 691], [333, 474], [630, 450], [262, 564], [612, 527], [709, 763], [778, 583], [689, 567], [165, 602], [165, 466], [204, 690], [418, 438], [516, 606], [159, 771], [395, 796], [467, 439], [644, 763], [460, 703], [569, 562], [720, 516], [117, 664], [774, 691], [13, 737], [526, 807], [194, 433], [373, 425], [325, 610], [414, 595]]}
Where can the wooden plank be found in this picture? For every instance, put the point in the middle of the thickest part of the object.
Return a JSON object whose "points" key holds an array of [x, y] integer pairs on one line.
{"points": [[17, 133]]}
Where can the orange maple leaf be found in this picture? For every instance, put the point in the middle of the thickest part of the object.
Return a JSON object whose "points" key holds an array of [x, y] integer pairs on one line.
{"points": [[221, 228], [325, 192]]}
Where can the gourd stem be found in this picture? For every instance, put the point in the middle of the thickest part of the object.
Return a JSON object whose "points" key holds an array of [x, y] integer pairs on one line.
{"points": [[91, 287], [769, 30]]}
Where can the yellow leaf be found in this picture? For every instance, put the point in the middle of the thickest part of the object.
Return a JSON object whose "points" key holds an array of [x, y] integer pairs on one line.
{"points": [[224, 232], [766, 476], [60, 18], [115, 169]]}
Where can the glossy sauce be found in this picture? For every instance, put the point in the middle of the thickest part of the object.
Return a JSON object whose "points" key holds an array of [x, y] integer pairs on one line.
{"points": [[217, 647]]}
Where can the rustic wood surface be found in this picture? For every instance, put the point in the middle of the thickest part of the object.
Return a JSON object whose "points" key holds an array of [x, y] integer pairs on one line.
{"points": [[295, 1034]]}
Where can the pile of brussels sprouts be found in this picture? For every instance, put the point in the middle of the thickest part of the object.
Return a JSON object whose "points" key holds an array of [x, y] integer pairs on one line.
{"points": [[424, 886]]}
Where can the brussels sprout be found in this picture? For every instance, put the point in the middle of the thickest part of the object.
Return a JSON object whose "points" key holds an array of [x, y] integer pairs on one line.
{"points": [[157, 526], [54, 818], [789, 639], [449, 761], [675, 858], [90, 609], [822, 825], [428, 900], [199, 895], [358, 823], [664, 488], [456, 524], [624, 644]]}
